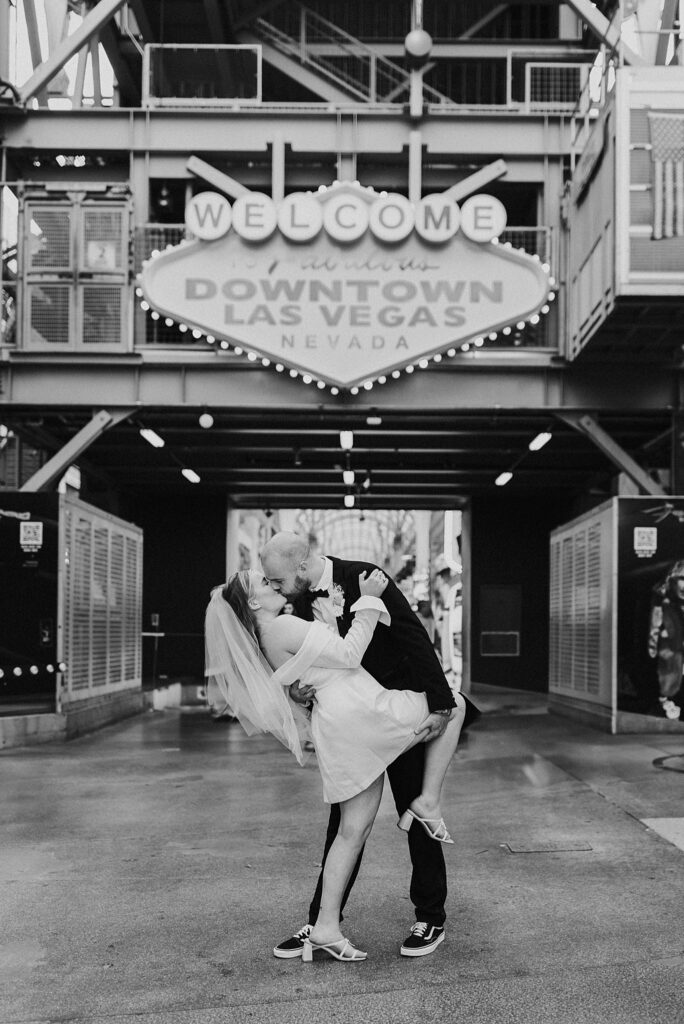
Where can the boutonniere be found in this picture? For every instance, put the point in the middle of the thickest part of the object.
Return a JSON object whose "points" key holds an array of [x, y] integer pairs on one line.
{"points": [[338, 600]]}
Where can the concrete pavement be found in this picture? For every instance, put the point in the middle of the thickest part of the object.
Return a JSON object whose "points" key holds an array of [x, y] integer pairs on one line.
{"points": [[146, 871]]}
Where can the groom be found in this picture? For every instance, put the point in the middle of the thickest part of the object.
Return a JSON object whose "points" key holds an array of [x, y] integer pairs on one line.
{"points": [[401, 657]]}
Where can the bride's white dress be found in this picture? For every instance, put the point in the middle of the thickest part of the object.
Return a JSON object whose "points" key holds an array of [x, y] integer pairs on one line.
{"points": [[358, 726]]}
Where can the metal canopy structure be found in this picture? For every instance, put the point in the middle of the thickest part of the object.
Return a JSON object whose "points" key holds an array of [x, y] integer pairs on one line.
{"points": [[292, 457]]}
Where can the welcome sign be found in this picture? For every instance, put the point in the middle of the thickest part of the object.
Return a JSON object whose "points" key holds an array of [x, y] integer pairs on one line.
{"points": [[346, 284]]}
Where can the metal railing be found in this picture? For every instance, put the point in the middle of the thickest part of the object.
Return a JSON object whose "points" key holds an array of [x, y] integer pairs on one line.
{"points": [[351, 65]]}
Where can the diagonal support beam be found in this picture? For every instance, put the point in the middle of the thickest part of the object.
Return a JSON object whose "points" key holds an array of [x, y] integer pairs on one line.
{"points": [[55, 467], [475, 181], [87, 30], [224, 182], [588, 426], [599, 25]]}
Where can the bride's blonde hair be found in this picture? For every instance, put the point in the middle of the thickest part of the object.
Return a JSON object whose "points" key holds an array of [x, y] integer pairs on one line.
{"points": [[237, 592]]}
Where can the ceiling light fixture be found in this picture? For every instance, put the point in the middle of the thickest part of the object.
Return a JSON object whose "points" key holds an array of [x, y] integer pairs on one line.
{"points": [[349, 501], [191, 475], [152, 437], [206, 420], [503, 478], [539, 441], [346, 440], [348, 476]]}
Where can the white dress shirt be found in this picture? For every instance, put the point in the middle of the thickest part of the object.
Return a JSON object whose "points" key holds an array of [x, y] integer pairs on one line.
{"points": [[323, 607]]}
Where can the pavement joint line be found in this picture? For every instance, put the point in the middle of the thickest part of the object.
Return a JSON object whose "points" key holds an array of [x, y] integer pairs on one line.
{"points": [[308, 997]]}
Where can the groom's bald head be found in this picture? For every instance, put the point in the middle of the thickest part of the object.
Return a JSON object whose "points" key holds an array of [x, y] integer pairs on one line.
{"points": [[288, 547], [285, 560]]}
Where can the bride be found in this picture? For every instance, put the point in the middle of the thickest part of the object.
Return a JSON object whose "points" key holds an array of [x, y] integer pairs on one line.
{"points": [[358, 727]]}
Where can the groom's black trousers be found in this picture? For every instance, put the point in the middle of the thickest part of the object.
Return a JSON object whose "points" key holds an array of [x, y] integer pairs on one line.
{"points": [[428, 878]]}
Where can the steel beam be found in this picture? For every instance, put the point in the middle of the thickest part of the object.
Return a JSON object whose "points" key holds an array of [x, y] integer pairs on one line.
{"points": [[224, 182], [186, 379], [87, 30], [599, 26], [382, 133], [588, 426], [80, 442], [476, 181]]}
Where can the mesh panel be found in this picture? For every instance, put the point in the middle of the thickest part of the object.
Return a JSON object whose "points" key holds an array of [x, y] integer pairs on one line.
{"points": [[154, 238], [650, 256], [189, 75], [102, 314], [554, 84], [102, 239], [638, 126], [49, 236], [49, 313], [639, 167], [640, 208]]}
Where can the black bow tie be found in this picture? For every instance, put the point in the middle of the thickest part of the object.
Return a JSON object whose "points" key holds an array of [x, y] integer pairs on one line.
{"points": [[313, 594]]}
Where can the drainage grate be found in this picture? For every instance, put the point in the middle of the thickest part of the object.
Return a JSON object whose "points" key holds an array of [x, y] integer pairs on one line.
{"points": [[560, 847]]}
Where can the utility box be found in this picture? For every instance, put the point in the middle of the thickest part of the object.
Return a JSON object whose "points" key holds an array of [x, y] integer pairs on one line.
{"points": [[616, 645], [70, 611]]}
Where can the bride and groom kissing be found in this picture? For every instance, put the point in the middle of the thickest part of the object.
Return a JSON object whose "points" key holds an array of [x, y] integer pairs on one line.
{"points": [[353, 669]]}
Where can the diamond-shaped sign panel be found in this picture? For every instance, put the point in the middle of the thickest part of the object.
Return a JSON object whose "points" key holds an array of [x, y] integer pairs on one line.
{"points": [[345, 312]]}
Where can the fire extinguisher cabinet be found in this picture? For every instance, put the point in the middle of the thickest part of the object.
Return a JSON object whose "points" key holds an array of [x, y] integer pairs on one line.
{"points": [[617, 616]]}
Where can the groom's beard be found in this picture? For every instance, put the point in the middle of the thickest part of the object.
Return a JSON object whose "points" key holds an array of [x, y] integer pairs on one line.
{"points": [[300, 586]]}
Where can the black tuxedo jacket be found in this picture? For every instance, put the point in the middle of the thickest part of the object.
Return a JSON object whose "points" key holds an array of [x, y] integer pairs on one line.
{"points": [[400, 656]]}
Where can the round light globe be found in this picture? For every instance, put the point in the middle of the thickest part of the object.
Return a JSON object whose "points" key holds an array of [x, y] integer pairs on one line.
{"points": [[418, 44]]}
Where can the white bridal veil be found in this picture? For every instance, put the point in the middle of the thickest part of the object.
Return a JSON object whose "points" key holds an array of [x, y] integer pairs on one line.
{"points": [[245, 679]]}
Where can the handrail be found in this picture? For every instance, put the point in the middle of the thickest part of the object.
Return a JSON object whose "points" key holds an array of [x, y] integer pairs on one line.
{"points": [[377, 64]]}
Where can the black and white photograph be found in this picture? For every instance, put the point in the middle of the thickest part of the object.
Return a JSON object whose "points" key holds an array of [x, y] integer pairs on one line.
{"points": [[341, 511]]}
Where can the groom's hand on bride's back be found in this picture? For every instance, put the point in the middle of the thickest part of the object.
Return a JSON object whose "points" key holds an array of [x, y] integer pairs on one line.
{"points": [[372, 585]]}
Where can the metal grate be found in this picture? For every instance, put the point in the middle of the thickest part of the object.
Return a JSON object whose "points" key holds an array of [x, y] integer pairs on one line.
{"points": [[201, 75], [80, 585], [100, 607], [49, 308], [49, 237], [593, 635], [102, 241], [132, 607], [102, 603], [556, 86], [575, 610], [116, 591], [579, 598], [102, 314]]}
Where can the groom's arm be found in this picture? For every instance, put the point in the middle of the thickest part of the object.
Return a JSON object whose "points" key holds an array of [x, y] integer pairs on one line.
{"points": [[408, 636]]}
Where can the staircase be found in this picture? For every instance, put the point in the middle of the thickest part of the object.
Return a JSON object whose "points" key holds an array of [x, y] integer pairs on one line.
{"points": [[345, 68]]}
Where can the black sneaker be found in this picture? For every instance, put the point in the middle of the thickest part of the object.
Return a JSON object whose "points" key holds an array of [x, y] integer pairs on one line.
{"points": [[293, 946], [422, 940]]}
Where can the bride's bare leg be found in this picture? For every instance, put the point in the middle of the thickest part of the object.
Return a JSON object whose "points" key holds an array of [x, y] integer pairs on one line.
{"points": [[356, 821], [438, 755]]}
